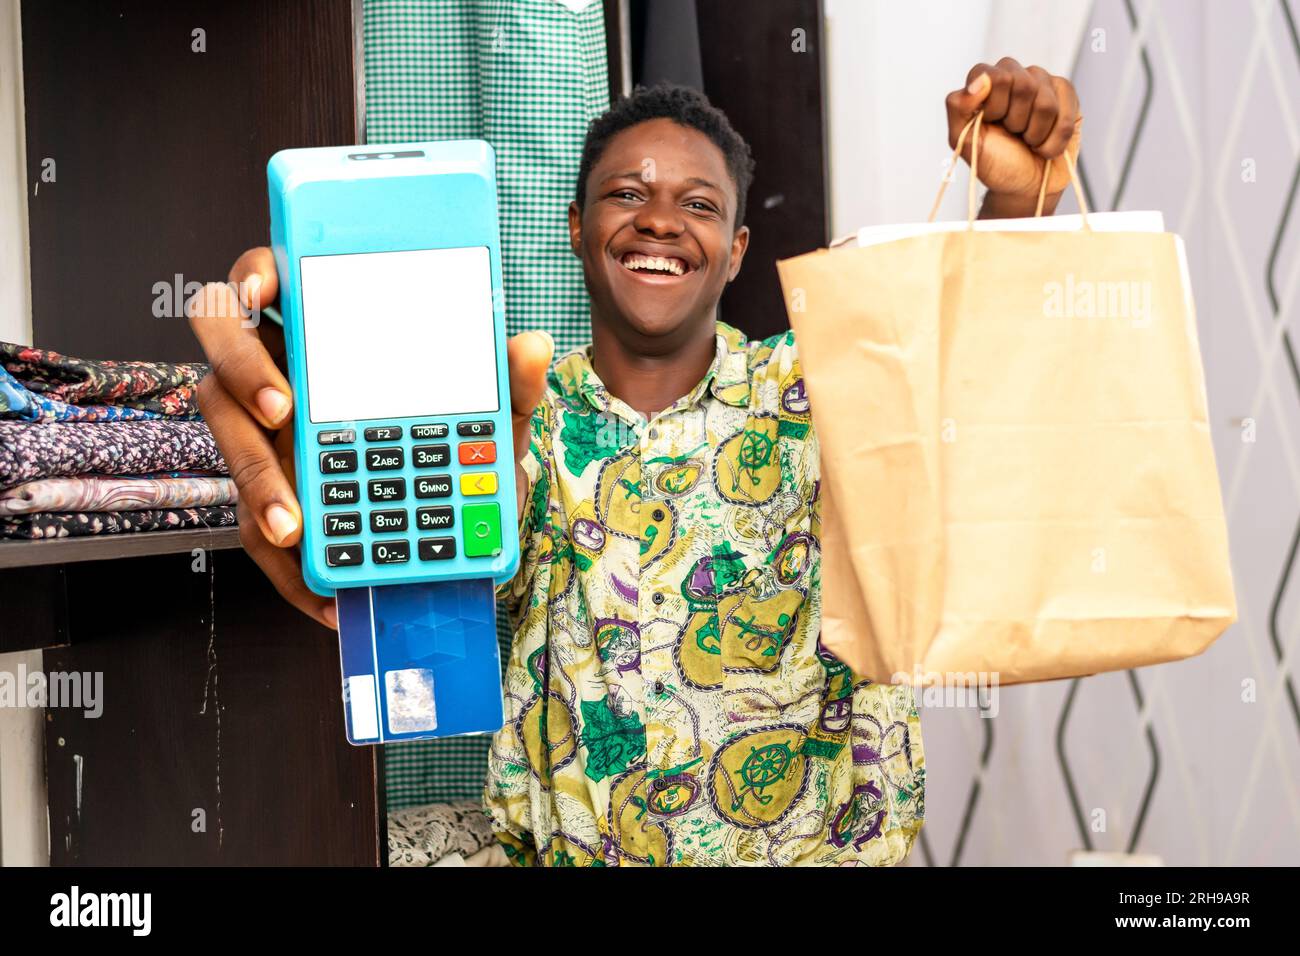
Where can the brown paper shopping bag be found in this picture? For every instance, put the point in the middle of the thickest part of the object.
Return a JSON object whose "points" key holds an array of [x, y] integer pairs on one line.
{"points": [[1017, 468]]}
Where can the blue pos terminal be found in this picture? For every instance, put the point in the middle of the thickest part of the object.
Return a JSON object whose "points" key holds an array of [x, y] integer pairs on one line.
{"points": [[389, 261]]}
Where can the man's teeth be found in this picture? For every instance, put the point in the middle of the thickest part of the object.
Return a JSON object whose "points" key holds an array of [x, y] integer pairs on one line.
{"points": [[657, 263]]}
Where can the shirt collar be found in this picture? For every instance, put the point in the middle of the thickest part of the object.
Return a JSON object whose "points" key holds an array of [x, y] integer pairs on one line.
{"points": [[727, 378], [730, 378]]}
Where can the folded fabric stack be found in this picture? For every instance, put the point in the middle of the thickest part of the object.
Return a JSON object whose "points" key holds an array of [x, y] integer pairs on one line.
{"points": [[92, 447]]}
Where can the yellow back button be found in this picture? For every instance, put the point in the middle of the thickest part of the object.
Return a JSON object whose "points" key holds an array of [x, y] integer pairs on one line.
{"points": [[479, 483]]}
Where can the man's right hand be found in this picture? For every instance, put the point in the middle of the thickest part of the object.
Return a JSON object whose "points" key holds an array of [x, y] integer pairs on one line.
{"points": [[247, 402], [529, 355]]}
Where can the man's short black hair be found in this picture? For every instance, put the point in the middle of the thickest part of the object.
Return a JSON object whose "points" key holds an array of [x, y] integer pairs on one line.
{"points": [[683, 105]]}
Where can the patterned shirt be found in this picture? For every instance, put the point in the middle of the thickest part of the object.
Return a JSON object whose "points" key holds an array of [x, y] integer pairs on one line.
{"points": [[667, 698]]}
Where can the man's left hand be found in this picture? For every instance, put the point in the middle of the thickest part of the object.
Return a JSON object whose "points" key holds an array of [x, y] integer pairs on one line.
{"points": [[1029, 116]]}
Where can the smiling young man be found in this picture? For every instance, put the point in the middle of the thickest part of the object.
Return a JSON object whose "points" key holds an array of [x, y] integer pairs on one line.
{"points": [[668, 701]]}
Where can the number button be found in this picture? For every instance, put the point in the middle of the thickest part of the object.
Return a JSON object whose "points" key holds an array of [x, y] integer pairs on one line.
{"points": [[340, 493], [382, 459], [391, 552], [437, 549], [387, 489], [472, 429], [433, 486], [437, 430], [477, 452], [337, 462], [344, 555], [348, 522], [431, 456], [436, 518], [392, 519], [384, 433]]}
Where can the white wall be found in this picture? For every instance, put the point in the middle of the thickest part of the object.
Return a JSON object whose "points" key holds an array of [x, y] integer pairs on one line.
{"points": [[24, 829], [15, 287], [24, 834], [889, 67]]}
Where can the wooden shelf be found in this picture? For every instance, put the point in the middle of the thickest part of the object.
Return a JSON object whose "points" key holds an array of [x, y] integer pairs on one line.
{"points": [[108, 547], [206, 674]]}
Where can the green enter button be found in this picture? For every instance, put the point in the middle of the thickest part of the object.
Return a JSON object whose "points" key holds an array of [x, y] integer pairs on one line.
{"points": [[482, 529]]}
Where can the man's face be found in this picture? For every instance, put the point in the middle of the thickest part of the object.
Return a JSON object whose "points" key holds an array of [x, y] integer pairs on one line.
{"points": [[659, 191]]}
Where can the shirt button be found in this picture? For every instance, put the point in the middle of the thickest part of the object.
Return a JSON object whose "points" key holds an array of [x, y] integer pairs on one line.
{"points": [[659, 514], [653, 434], [658, 597], [659, 688]]}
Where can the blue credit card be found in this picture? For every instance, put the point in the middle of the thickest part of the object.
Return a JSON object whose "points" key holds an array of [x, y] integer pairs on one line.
{"points": [[419, 661]]}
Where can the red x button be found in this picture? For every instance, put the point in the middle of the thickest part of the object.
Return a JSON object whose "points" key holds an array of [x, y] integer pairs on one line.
{"points": [[477, 452]]}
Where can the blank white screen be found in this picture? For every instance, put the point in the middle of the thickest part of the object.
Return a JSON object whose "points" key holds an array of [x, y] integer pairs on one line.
{"points": [[399, 334]]}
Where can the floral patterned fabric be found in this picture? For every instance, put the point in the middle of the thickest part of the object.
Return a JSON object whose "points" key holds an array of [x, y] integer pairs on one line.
{"points": [[77, 428], [45, 524], [38, 385], [97, 493], [66, 449], [668, 699], [421, 836]]}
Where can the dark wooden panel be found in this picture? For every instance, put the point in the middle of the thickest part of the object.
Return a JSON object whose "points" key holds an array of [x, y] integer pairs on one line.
{"points": [[774, 97], [242, 720], [617, 49], [53, 551], [35, 608], [160, 152]]}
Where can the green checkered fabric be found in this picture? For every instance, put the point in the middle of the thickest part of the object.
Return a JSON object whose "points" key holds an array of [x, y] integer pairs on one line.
{"points": [[527, 76]]}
